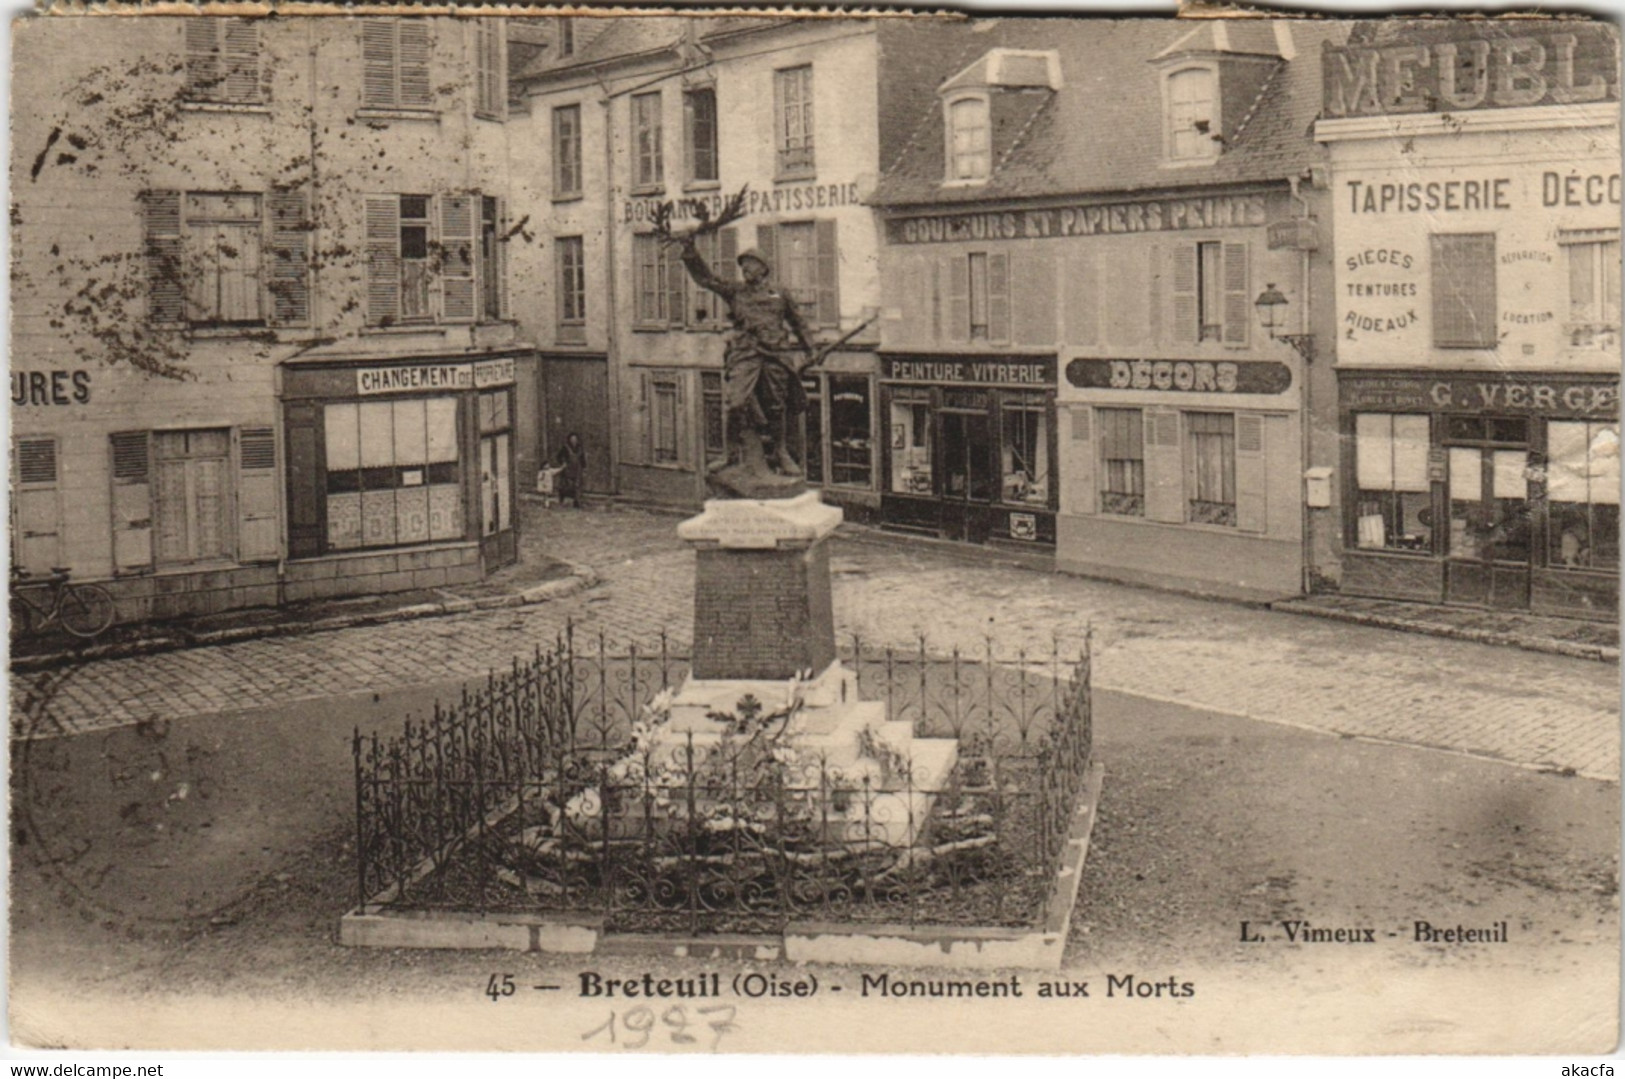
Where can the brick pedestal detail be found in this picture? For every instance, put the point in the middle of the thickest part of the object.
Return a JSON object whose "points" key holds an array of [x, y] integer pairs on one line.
{"points": [[762, 607]]}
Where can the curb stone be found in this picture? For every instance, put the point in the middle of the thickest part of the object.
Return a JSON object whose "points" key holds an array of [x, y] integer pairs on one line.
{"points": [[1550, 646], [580, 579]]}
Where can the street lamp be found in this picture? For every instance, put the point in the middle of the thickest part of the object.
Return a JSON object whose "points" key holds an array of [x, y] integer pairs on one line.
{"points": [[1271, 305]]}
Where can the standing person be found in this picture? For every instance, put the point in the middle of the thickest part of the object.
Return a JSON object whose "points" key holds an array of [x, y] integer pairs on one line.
{"points": [[572, 458]]}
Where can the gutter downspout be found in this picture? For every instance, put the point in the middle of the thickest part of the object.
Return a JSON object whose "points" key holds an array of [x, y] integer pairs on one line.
{"points": [[1307, 420]]}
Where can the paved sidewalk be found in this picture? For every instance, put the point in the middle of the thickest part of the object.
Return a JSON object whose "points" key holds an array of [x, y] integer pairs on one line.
{"points": [[1544, 711]]}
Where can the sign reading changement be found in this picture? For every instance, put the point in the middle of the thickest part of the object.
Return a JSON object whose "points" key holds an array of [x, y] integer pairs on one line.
{"points": [[1185, 376], [434, 376]]}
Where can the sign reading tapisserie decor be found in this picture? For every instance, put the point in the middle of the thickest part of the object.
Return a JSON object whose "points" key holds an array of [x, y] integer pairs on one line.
{"points": [[1183, 376]]}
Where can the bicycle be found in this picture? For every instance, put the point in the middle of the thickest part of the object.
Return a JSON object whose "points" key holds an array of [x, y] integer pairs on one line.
{"points": [[84, 610]]}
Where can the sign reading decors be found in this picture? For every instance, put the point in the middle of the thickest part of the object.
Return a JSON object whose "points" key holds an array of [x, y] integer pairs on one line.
{"points": [[1185, 376]]}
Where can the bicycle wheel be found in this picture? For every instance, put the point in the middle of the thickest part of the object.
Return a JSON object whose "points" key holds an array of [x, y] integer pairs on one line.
{"points": [[87, 609], [22, 618]]}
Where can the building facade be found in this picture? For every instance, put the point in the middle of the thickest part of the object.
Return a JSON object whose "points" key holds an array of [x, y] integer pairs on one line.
{"points": [[1079, 240], [260, 342], [1476, 179]]}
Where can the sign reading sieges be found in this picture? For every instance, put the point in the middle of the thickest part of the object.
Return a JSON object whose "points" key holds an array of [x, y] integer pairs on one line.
{"points": [[994, 371], [1380, 286], [436, 376]]}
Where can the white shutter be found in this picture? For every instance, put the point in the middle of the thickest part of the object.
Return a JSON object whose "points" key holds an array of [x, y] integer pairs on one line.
{"points": [[958, 307], [378, 62], [413, 43], [1250, 477], [1185, 329], [1238, 301], [457, 239], [132, 502], [37, 506], [383, 214], [257, 532], [1078, 465], [1164, 471]]}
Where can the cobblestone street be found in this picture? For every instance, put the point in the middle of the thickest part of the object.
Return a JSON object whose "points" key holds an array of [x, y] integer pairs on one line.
{"points": [[1526, 708]]}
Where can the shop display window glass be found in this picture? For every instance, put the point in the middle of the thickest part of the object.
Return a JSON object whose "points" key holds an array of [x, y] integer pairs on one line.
{"points": [[911, 443], [814, 421], [1582, 492], [1394, 509], [1211, 467], [392, 475], [1122, 453], [851, 454], [1024, 449]]}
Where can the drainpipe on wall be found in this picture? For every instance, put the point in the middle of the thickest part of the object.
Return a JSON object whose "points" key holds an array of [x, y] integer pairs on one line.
{"points": [[1306, 423]]}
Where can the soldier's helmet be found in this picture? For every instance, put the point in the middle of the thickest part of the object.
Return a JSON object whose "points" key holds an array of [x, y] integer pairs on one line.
{"points": [[753, 253]]}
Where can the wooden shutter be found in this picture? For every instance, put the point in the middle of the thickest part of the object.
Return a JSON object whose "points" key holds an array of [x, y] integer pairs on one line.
{"points": [[457, 240], [1238, 300], [1464, 309], [728, 257], [202, 44], [671, 266], [998, 298], [1157, 257], [932, 300], [1078, 468], [491, 94], [502, 257], [1185, 328], [646, 419], [36, 505], [378, 62], [767, 242], [901, 290], [828, 274], [256, 495], [1164, 472], [1034, 296], [242, 60], [383, 259], [1083, 298], [166, 298], [1250, 475], [290, 258], [303, 435], [132, 501], [414, 63], [958, 313]]}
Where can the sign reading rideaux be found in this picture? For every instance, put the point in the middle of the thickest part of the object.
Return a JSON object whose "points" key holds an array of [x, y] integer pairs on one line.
{"points": [[1187, 376], [1466, 65], [992, 370]]}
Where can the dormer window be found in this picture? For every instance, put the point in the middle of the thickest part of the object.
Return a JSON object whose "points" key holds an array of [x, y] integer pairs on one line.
{"points": [[1191, 109], [969, 141]]}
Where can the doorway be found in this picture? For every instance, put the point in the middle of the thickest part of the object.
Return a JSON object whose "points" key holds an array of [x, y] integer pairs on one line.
{"points": [[967, 478], [575, 397], [1491, 523]]}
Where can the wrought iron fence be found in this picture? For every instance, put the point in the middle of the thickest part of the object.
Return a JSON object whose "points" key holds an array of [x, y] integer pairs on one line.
{"points": [[550, 789]]}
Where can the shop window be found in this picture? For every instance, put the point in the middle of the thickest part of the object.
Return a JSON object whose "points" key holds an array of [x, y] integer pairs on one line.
{"points": [[700, 121], [1122, 459], [1464, 290], [1210, 456], [969, 149], [490, 71], [648, 165], [1489, 508], [1594, 285], [1582, 492], [395, 63], [806, 265], [911, 442], [223, 60], [495, 410], [664, 444], [661, 283], [793, 121], [191, 496], [716, 434], [1394, 510], [1190, 98], [571, 284], [851, 452], [392, 474], [567, 151], [814, 426], [1024, 449], [1211, 294], [36, 509]]}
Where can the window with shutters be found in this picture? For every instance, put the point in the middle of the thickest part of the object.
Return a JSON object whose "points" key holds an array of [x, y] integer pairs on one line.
{"points": [[490, 69], [1210, 463], [36, 508], [1122, 461], [1393, 508], [660, 282], [191, 496], [221, 259], [1191, 109], [206, 260], [569, 254], [793, 122], [395, 64], [969, 139], [223, 64], [392, 472], [1464, 312], [433, 258], [648, 164], [979, 307], [1593, 258], [1210, 298], [806, 265], [1582, 491], [567, 152], [700, 122], [705, 310], [665, 448], [1024, 449]]}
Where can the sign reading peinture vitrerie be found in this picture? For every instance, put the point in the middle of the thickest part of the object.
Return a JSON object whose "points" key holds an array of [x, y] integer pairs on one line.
{"points": [[1034, 371]]}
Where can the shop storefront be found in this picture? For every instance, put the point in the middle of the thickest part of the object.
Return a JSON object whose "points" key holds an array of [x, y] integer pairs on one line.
{"points": [[969, 447], [398, 470], [1488, 489], [840, 450]]}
